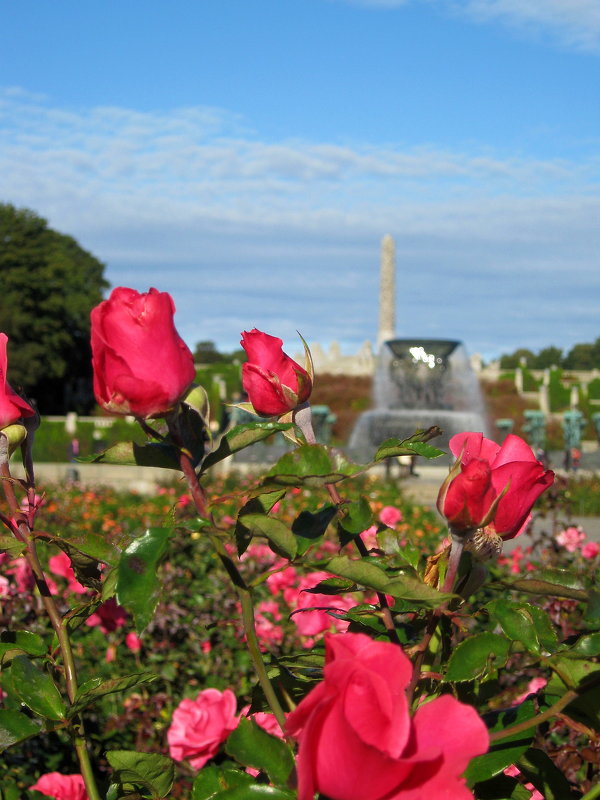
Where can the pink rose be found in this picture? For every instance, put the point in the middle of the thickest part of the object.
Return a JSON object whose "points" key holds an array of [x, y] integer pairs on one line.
{"points": [[141, 365], [487, 471], [275, 383], [571, 539], [199, 726], [12, 407], [60, 564], [61, 787], [311, 623], [590, 550], [133, 642], [358, 741], [390, 516], [109, 616]]}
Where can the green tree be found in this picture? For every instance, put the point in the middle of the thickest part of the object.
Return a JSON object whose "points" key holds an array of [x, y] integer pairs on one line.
{"points": [[513, 360], [580, 356], [48, 286], [548, 357]]}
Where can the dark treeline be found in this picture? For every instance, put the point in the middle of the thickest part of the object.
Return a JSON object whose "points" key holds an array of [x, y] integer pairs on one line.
{"points": [[580, 356]]}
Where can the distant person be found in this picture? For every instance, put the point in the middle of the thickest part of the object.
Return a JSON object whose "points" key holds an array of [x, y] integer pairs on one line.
{"points": [[73, 449]]}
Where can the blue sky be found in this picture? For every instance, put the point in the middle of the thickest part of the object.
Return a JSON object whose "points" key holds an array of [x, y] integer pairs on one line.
{"points": [[249, 155]]}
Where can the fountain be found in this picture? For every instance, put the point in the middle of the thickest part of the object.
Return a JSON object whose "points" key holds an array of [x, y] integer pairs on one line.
{"points": [[419, 383]]}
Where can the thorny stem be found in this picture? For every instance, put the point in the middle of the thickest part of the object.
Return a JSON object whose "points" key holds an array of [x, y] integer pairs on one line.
{"points": [[243, 590], [453, 562], [23, 534], [537, 720], [303, 418]]}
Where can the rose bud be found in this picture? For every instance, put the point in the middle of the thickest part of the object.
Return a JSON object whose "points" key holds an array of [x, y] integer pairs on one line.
{"points": [[274, 382], [12, 406], [141, 364]]}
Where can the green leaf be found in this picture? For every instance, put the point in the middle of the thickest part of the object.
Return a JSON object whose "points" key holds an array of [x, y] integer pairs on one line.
{"points": [[311, 465], [151, 454], [360, 571], [587, 646], [517, 622], [414, 445], [243, 436], [153, 772], [97, 687], [310, 526], [256, 790], [212, 780], [333, 586], [547, 589], [138, 586], [13, 643], [16, 727], [393, 543], [545, 776], [261, 504], [357, 516], [280, 536], [37, 690], [253, 747], [10, 545], [592, 612], [573, 672], [505, 752], [414, 590], [477, 656], [91, 544]]}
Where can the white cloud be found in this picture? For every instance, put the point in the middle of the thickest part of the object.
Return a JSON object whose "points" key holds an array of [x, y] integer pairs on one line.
{"points": [[574, 23], [284, 235]]}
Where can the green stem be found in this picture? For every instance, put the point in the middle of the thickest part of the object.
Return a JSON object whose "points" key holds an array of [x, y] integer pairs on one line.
{"points": [[593, 793], [453, 562], [243, 590], [303, 418], [537, 720]]}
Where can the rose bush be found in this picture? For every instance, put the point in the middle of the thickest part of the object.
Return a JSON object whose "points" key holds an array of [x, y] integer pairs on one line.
{"points": [[12, 407], [199, 726], [274, 382], [358, 742], [141, 365], [509, 474]]}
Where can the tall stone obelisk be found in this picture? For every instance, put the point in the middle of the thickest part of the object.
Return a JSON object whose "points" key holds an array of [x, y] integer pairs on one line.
{"points": [[387, 292]]}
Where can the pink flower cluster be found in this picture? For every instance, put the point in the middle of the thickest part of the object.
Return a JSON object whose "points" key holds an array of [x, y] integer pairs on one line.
{"points": [[574, 539], [309, 610]]}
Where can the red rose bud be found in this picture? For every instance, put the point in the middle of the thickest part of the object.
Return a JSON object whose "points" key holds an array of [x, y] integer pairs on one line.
{"points": [[12, 407], [274, 382], [141, 364], [517, 477], [466, 499]]}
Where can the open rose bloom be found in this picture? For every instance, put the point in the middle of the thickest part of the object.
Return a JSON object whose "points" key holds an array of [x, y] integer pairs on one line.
{"points": [[141, 365], [358, 741], [492, 484], [199, 726]]}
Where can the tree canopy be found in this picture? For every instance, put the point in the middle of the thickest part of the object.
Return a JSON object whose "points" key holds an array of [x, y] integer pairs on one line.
{"points": [[48, 286], [583, 356]]}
